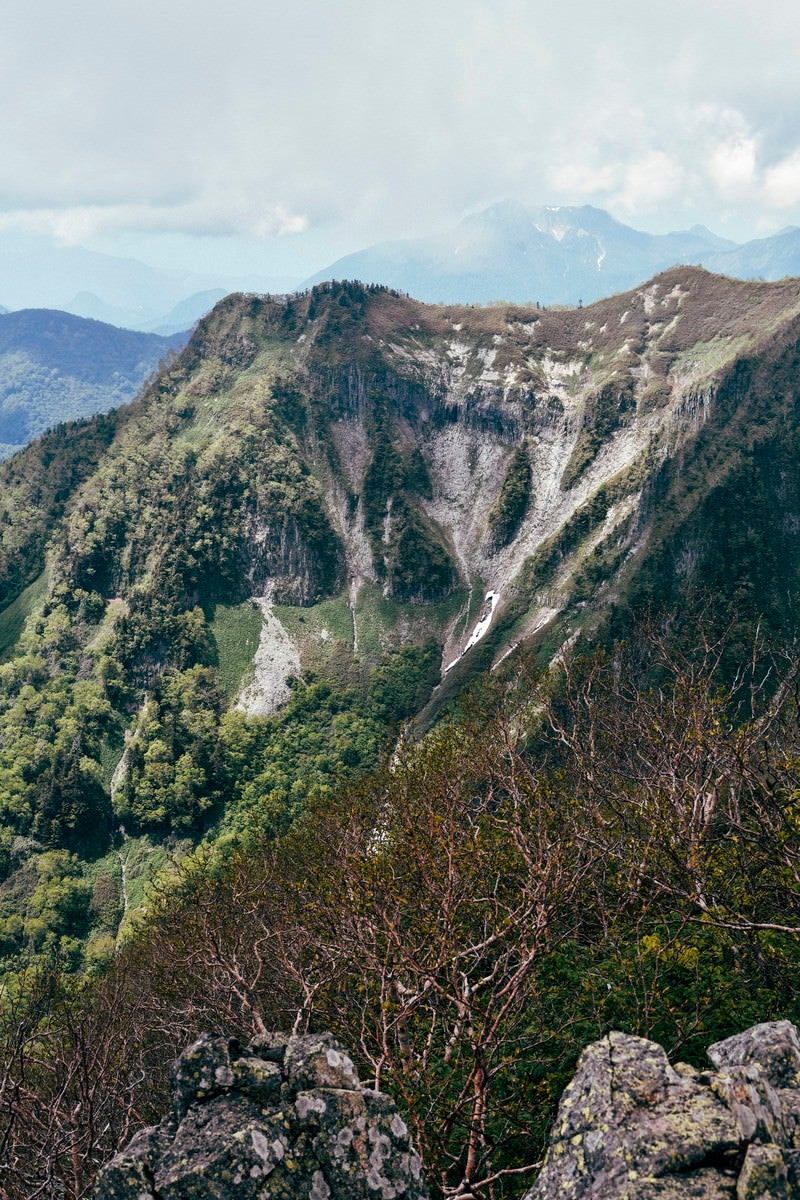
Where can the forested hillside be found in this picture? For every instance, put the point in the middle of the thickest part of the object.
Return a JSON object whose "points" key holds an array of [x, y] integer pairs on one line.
{"points": [[55, 367], [322, 602]]}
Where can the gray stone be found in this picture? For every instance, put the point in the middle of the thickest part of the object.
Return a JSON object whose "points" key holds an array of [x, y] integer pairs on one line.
{"points": [[203, 1070], [763, 1175], [269, 1046], [631, 1127], [318, 1060], [296, 1126], [773, 1046]]}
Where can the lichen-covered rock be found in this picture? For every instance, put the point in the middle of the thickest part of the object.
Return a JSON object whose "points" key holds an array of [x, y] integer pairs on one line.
{"points": [[632, 1127], [204, 1070], [317, 1060], [763, 1175], [773, 1046], [283, 1118]]}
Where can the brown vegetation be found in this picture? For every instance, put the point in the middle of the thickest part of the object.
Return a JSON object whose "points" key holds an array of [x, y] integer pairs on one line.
{"points": [[620, 849]]}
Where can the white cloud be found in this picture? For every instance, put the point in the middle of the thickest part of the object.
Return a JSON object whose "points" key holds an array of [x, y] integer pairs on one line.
{"points": [[732, 166], [782, 183], [653, 180], [581, 179], [368, 118]]}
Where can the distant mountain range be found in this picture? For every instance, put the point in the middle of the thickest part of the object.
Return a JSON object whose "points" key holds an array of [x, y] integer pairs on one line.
{"points": [[57, 367], [37, 272], [555, 255]]}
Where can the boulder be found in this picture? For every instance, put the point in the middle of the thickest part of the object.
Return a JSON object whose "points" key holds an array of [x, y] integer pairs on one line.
{"points": [[632, 1127], [282, 1118]]}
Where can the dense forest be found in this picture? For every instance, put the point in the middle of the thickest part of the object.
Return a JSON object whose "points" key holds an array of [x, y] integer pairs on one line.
{"points": [[56, 367]]}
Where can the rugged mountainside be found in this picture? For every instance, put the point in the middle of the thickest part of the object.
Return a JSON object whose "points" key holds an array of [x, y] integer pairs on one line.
{"points": [[329, 500], [322, 521], [56, 367]]}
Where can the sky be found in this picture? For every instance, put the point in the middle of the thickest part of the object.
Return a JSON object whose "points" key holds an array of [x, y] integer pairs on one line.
{"points": [[256, 135]]}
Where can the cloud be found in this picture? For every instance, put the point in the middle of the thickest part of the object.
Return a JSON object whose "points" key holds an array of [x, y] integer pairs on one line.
{"points": [[77, 224], [368, 119], [782, 183]]}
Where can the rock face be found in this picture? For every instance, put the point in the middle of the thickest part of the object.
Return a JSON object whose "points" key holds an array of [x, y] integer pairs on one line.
{"points": [[632, 1127], [279, 1119]]}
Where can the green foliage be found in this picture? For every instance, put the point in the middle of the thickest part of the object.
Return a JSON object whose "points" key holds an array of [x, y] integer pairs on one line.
{"points": [[35, 487], [613, 406], [407, 548], [553, 854], [13, 618], [399, 688], [49, 776], [172, 778], [234, 631], [418, 564], [509, 509]]}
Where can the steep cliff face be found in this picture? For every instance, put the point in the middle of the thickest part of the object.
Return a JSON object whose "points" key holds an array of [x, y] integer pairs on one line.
{"points": [[354, 442], [527, 453]]}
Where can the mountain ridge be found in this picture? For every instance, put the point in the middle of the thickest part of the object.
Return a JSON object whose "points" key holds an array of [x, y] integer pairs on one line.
{"points": [[343, 506], [557, 254], [359, 605]]}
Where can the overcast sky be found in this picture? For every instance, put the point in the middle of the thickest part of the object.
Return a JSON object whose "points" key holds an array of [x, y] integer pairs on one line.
{"points": [[280, 135]]}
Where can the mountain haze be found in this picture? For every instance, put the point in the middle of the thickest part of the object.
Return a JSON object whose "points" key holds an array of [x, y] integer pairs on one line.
{"points": [[553, 255], [38, 272]]}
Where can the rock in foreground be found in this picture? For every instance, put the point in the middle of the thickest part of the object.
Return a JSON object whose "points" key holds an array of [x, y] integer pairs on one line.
{"points": [[279, 1119], [632, 1127]]}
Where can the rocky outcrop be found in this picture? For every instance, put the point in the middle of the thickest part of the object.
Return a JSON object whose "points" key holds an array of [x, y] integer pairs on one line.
{"points": [[632, 1127], [279, 1119]]}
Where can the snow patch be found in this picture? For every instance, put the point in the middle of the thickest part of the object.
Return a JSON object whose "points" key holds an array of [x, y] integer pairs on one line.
{"points": [[481, 628], [276, 659]]}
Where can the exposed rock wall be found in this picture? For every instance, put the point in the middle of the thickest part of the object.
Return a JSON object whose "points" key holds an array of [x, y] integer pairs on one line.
{"points": [[632, 1127], [279, 1119]]}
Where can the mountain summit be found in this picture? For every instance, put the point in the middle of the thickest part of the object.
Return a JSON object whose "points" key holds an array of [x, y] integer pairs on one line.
{"points": [[344, 473], [553, 255]]}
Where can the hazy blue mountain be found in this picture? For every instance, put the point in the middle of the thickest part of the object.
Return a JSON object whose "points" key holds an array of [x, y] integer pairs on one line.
{"points": [[768, 258], [188, 311], [37, 272], [56, 367], [508, 252]]}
